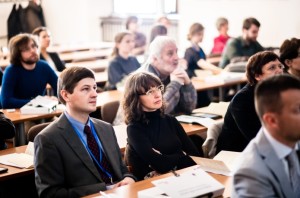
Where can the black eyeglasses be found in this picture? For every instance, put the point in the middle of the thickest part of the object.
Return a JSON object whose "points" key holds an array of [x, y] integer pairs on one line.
{"points": [[152, 91]]}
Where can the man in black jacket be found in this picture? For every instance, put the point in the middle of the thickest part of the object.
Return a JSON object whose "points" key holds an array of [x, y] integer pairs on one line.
{"points": [[7, 130]]}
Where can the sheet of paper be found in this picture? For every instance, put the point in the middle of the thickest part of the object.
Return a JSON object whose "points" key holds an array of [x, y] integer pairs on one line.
{"points": [[219, 108], [224, 163], [192, 183], [230, 158], [153, 192], [207, 122], [20, 160], [30, 149], [213, 166]]}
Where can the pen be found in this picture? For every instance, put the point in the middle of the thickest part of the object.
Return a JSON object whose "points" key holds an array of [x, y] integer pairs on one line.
{"points": [[104, 194], [174, 172]]}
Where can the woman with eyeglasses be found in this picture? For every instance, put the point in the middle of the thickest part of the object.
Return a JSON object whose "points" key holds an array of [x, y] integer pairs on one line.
{"points": [[241, 122], [157, 143]]}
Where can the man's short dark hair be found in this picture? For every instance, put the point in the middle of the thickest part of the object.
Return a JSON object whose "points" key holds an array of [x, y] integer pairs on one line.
{"points": [[289, 50], [69, 78], [250, 21], [268, 91], [17, 44]]}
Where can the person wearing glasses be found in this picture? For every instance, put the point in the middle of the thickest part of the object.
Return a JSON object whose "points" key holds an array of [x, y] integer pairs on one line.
{"points": [[241, 122], [163, 61], [27, 76], [157, 143]]}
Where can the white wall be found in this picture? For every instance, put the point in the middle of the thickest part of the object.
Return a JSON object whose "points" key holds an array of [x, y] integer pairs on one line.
{"points": [[280, 19], [78, 20]]}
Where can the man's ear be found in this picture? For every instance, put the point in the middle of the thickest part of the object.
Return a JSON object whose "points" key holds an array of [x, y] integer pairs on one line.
{"points": [[270, 119], [65, 95], [288, 62], [258, 77]]}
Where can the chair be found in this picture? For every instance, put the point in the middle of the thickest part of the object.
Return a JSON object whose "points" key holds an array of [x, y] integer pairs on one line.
{"points": [[109, 111], [209, 145], [33, 131]]}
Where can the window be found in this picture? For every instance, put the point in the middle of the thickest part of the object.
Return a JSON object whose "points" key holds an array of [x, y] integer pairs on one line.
{"points": [[145, 7]]}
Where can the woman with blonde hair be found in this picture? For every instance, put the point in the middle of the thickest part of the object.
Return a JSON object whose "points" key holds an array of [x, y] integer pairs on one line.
{"points": [[122, 63], [157, 143]]}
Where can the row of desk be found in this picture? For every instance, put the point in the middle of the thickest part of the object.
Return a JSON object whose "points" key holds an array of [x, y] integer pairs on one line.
{"points": [[104, 97], [124, 191]]}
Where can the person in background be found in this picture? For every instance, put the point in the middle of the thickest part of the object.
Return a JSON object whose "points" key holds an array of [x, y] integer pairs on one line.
{"points": [[180, 94], [269, 166], [221, 40], [196, 59], [158, 30], [139, 38], [27, 76], [195, 55], [163, 61], [52, 58], [148, 152], [290, 56], [7, 130], [122, 63], [77, 155], [241, 122], [164, 20], [241, 48]]}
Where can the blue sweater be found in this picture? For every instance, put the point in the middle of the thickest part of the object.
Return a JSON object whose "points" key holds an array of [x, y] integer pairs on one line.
{"points": [[19, 85]]}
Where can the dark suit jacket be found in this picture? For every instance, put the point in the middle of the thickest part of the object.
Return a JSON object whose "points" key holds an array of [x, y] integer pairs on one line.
{"points": [[261, 173], [241, 122], [59, 64], [63, 167]]}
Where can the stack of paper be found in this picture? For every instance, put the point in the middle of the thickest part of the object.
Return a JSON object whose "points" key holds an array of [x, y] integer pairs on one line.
{"points": [[39, 105], [207, 122], [20, 160], [223, 163], [192, 183]]}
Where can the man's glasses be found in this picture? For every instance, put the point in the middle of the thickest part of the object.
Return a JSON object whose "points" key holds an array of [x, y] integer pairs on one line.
{"points": [[154, 90]]}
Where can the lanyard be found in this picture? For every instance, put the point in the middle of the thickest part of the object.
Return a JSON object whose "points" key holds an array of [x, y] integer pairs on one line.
{"points": [[90, 152]]}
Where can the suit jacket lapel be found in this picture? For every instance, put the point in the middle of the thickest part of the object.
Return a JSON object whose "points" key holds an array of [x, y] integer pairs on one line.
{"points": [[103, 134], [75, 143], [273, 162]]}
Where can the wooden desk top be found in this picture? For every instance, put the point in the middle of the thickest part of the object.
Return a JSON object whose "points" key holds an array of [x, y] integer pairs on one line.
{"points": [[14, 172], [200, 85], [83, 55], [4, 63], [65, 48], [96, 65], [17, 117], [101, 77], [132, 189]]}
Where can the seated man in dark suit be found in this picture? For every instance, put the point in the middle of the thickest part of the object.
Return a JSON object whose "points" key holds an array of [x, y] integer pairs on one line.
{"points": [[77, 155], [269, 166], [7, 130], [241, 48]]}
